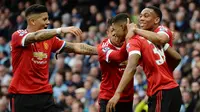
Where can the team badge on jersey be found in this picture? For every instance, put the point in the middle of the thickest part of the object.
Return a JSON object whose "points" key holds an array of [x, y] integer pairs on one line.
{"points": [[46, 46], [163, 29], [105, 49], [22, 32]]}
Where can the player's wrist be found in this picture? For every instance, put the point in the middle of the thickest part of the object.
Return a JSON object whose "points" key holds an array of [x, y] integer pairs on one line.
{"points": [[118, 93], [58, 31], [166, 46]]}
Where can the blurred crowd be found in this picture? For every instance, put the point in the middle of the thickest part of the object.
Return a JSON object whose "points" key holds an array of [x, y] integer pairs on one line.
{"points": [[76, 78]]}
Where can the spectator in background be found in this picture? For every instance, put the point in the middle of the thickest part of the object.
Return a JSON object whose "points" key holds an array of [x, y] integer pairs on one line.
{"points": [[177, 76], [195, 75], [181, 24], [59, 86], [77, 80], [195, 91], [80, 94], [93, 12], [3, 105], [185, 85], [77, 106], [21, 24], [141, 85], [55, 11], [5, 77], [187, 101], [66, 20]]}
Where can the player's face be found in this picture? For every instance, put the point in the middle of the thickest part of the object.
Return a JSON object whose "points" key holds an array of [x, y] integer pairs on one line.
{"points": [[147, 19], [42, 21], [120, 30]]}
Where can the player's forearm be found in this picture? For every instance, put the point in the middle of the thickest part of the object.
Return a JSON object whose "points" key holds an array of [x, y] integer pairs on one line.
{"points": [[40, 35], [86, 49], [151, 36], [119, 55], [126, 78], [172, 56], [80, 48]]}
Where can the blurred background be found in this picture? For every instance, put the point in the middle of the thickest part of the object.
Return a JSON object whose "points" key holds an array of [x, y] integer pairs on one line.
{"points": [[76, 78]]}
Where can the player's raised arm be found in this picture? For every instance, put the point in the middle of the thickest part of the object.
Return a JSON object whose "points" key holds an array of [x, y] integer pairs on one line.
{"points": [[80, 48], [46, 34], [172, 56], [113, 55], [156, 38]]}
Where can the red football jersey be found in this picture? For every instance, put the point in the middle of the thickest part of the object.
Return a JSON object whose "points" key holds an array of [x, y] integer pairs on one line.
{"points": [[31, 64], [112, 66], [154, 65], [167, 31]]}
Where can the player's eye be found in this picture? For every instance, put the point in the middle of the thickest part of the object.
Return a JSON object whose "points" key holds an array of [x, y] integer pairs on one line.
{"points": [[45, 19], [146, 15]]}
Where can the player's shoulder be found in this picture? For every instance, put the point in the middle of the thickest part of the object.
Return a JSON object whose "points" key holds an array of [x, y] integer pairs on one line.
{"points": [[163, 28], [103, 47], [19, 33], [137, 38]]}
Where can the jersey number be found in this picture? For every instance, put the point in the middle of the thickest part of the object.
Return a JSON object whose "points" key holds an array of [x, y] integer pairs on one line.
{"points": [[160, 53]]}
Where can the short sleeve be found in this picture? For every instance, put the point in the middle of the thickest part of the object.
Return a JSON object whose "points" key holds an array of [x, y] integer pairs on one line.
{"points": [[164, 30], [58, 45], [134, 46], [106, 53], [18, 38]]}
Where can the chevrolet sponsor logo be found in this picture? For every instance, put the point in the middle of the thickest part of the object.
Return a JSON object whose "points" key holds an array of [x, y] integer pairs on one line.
{"points": [[39, 55]]}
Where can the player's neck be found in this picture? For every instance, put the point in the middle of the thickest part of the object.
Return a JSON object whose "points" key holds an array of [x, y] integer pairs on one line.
{"points": [[31, 29], [155, 27], [113, 42]]}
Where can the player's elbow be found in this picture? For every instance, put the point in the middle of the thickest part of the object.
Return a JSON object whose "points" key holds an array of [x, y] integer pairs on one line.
{"points": [[131, 69], [37, 37], [162, 42]]}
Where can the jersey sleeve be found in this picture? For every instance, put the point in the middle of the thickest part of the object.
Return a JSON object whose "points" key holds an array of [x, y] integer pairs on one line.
{"points": [[134, 46], [18, 38], [58, 45], [164, 30], [107, 54]]}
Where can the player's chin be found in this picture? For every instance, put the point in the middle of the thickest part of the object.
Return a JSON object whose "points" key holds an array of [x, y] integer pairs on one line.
{"points": [[142, 27]]}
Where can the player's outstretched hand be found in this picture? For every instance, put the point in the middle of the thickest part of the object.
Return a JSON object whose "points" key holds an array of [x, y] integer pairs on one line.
{"points": [[112, 103], [75, 31]]}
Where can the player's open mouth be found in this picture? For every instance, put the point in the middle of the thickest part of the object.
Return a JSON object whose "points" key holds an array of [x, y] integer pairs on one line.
{"points": [[142, 24]]}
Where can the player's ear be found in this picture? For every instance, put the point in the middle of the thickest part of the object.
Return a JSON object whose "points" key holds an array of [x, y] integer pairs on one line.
{"points": [[123, 27], [157, 20], [32, 21]]}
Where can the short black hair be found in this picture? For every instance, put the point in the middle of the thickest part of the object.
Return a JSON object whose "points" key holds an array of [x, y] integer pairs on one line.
{"points": [[121, 17], [156, 10], [35, 9]]}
